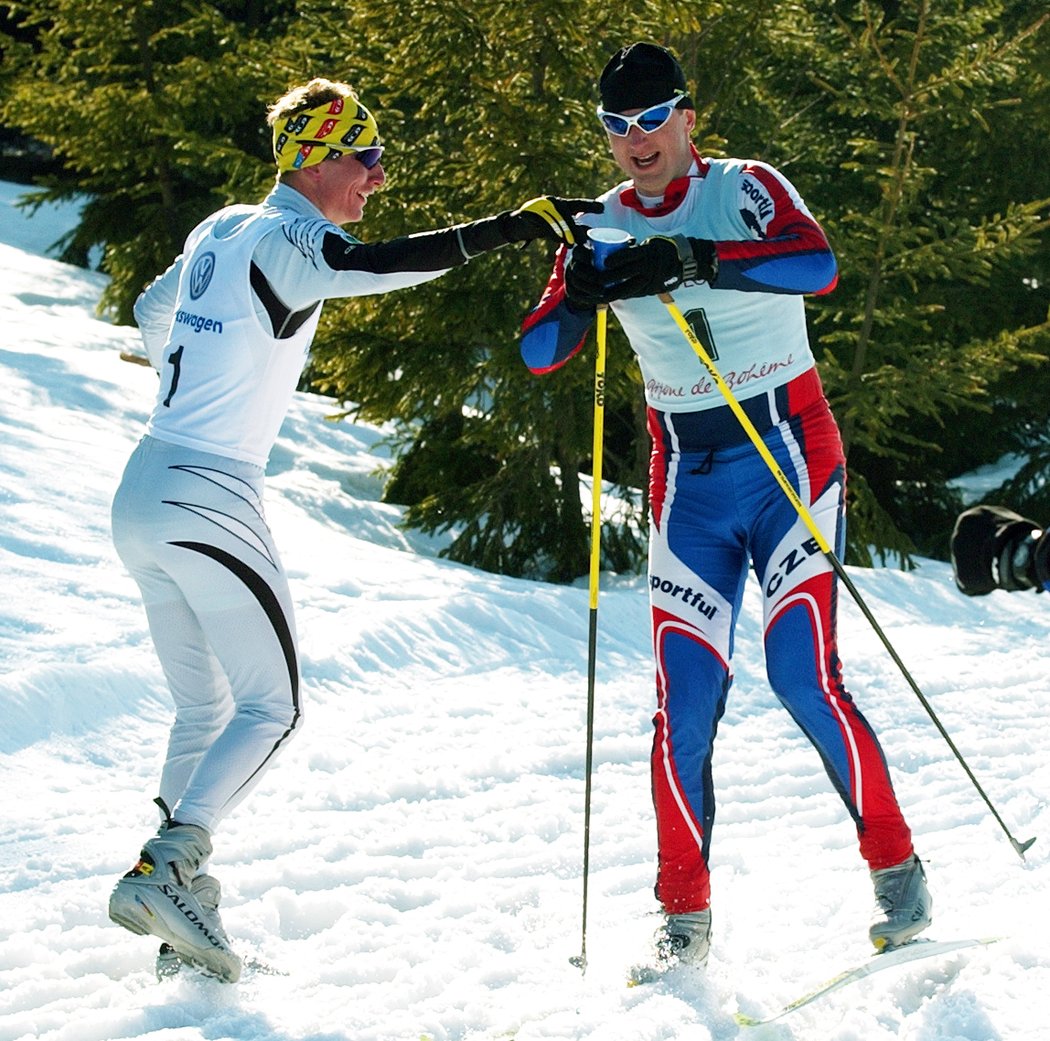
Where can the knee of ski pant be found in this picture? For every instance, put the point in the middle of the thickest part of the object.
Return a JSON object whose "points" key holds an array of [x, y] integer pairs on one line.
{"points": [[791, 656], [286, 718], [788, 683]]}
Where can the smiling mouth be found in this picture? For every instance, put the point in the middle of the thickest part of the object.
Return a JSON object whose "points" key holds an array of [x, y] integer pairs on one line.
{"points": [[646, 160]]}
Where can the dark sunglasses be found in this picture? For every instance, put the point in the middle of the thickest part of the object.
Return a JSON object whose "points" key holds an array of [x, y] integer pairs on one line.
{"points": [[369, 156]]}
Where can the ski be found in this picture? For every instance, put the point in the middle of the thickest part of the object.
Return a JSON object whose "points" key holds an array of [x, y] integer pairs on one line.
{"points": [[658, 968], [914, 950], [639, 975]]}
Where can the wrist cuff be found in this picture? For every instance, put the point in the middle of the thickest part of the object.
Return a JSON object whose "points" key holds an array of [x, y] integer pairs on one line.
{"points": [[698, 257], [481, 236], [690, 269]]}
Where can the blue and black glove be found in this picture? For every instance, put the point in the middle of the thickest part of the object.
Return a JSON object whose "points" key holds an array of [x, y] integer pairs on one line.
{"points": [[585, 285]]}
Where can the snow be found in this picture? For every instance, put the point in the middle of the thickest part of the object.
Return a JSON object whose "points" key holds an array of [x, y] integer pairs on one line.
{"points": [[412, 866]]}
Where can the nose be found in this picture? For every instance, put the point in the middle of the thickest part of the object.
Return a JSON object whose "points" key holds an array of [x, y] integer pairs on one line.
{"points": [[377, 175]]}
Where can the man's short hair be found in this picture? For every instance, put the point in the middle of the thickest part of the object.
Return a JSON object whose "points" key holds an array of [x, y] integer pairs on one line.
{"points": [[308, 95]]}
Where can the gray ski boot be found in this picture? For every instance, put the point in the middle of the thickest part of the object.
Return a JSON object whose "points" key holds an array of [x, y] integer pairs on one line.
{"points": [[208, 892], [685, 939], [157, 897], [904, 906]]}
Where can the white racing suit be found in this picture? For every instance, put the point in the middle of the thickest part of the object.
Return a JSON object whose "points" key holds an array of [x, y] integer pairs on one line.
{"points": [[228, 327]]}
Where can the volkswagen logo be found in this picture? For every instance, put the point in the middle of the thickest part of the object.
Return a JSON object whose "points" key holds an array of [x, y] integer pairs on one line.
{"points": [[200, 274]]}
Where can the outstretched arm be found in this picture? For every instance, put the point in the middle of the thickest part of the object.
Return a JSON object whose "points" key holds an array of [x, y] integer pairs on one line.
{"points": [[546, 217], [342, 266]]}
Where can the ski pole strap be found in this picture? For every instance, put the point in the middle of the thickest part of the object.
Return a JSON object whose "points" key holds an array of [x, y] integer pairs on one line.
{"points": [[745, 422]]}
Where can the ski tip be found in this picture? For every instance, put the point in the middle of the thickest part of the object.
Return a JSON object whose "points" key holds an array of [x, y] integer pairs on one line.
{"points": [[917, 943], [743, 1020], [640, 975], [883, 946]]}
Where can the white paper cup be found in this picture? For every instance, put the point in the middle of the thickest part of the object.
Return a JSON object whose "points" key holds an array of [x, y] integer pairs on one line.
{"points": [[604, 241]]}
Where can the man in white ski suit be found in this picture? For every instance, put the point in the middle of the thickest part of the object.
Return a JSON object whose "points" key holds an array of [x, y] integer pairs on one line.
{"points": [[228, 326]]}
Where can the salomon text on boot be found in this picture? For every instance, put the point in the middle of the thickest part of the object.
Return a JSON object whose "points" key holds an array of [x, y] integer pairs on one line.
{"points": [[157, 897]]}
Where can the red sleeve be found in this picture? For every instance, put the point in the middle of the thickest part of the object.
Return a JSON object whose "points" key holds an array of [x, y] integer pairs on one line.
{"points": [[552, 332], [790, 252]]}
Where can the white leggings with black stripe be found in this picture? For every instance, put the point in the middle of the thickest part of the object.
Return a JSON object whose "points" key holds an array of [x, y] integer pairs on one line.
{"points": [[190, 529]]}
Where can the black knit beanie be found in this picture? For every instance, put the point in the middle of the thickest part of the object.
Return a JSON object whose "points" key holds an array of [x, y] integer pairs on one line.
{"points": [[641, 75]]}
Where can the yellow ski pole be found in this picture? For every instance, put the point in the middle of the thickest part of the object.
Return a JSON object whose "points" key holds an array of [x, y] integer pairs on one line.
{"points": [[825, 548], [592, 636], [602, 241]]}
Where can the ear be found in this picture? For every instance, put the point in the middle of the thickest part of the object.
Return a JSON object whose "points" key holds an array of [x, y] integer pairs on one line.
{"points": [[297, 178], [690, 120]]}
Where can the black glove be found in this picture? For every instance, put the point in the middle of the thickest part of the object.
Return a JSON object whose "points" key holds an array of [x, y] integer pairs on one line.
{"points": [[584, 283], [659, 265], [995, 548], [547, 218]]}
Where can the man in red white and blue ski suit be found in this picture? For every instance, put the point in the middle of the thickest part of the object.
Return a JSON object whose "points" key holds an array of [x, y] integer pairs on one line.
{"points": [[740, 248]]}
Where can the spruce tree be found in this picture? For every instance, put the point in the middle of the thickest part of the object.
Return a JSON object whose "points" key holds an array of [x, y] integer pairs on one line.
{"points": [[892, 120], [155, 120], [483, 107], [910, 128]]}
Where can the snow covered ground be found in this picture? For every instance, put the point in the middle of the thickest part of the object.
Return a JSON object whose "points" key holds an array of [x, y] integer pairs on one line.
{"points": [[412, 866]]}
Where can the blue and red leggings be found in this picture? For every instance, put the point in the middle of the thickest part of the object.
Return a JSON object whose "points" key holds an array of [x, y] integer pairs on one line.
{"points": [[716, 508]]}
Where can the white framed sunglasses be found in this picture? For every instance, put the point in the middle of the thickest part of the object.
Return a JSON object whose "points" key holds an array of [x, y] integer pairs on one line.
{"points": [[647, 122]]}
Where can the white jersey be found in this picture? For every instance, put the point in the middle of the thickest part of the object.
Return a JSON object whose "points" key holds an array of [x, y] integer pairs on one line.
{"points": [[230, 323], [226, 382], [750, 317], [758, 339]]}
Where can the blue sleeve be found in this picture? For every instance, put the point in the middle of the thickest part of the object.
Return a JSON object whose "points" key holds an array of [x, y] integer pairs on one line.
{"points": [[553, 332]]}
